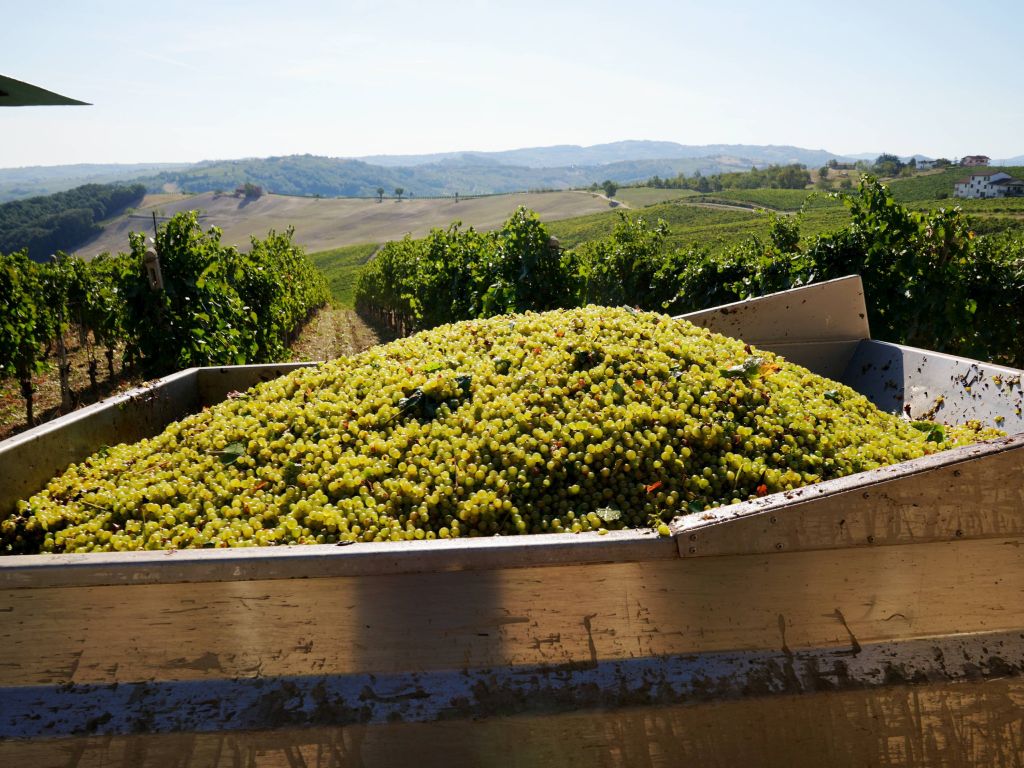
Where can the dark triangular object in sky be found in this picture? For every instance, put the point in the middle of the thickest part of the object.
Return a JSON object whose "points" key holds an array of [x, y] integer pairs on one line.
{"points": [[14, 93]]}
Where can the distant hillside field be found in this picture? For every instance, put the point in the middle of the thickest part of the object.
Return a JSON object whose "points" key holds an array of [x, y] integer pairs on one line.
{"points": [[638, 197], [773, 199], [324, 224], [341, 267], [696, 224]]}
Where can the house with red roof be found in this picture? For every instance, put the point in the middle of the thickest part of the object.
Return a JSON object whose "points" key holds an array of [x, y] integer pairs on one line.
{"points": [[975, 160]]}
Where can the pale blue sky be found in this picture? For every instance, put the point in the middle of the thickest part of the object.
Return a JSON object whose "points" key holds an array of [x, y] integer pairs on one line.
{"points": [[187, 81]]}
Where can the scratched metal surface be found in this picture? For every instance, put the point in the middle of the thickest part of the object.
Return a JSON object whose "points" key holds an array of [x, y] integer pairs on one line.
{"points": [[818, 326], [932, 385]]}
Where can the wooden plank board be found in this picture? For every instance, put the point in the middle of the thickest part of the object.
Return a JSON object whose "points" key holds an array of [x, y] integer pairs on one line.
{"points": [[521, 617]]}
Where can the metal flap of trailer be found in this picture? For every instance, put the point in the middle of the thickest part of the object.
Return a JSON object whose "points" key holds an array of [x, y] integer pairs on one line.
{"points": [[818, 326]]}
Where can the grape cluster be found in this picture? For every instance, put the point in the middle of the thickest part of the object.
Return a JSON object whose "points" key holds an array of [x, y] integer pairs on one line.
{"points": [[571, 420]]}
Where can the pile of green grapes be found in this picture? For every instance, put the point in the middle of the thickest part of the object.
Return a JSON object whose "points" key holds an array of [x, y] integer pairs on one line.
{"points": [[578, 420]]}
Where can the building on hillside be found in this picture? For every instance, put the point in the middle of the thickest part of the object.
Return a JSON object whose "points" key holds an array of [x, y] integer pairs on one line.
{"points": [[971, 161], [925, 165], [989, 184], [1010, 187]]}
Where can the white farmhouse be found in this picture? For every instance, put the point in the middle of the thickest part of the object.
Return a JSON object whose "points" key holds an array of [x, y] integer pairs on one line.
{"points": [[989, 184]]}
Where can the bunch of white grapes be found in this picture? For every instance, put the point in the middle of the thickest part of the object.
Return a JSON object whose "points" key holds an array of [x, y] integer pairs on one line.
{"points": [[579, 420]]}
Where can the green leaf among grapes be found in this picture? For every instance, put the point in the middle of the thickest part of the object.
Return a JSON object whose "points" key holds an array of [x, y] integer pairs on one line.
{"points": [[934, 433], [748, 369], [231, 453]]}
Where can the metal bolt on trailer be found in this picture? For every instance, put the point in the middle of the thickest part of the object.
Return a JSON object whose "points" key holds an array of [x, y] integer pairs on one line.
{"points": [[877, 619]]}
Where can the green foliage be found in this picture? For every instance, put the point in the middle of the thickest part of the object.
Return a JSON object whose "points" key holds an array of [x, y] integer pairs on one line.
{"points": [[887, 165], [102, 305], [218, 305], [623, 268], [773, 177], [195, 320], [341, 268], [45, 225], [930, 279], [24, 320], [280, 287], [926, 275], [458, 274]]}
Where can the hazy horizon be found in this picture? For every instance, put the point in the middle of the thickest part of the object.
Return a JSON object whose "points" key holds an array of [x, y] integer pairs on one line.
{"points": [[230, 80], [369, 158]]}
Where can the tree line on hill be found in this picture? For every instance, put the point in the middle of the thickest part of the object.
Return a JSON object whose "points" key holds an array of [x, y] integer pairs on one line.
{"points": [[794, 176], [62, 221]]}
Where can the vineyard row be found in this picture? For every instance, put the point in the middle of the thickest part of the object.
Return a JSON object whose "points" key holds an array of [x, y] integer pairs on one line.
{"points": [[211, 304]]}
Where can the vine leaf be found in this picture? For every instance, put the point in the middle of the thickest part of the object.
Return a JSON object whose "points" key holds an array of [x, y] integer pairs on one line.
{"points": [[231, 453]]}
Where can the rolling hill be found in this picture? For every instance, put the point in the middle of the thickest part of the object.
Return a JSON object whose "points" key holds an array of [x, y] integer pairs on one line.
{"points": [[31, 181], [620, 151], [468, 173], [322, 224]]}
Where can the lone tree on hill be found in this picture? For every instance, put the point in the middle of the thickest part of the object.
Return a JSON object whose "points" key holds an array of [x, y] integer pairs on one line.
{"points": [[380, 194], [399, 191], [887, 165], [610, 188]]}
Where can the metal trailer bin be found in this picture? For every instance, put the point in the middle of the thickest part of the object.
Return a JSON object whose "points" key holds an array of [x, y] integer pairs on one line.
{"points": [[877, 619]]}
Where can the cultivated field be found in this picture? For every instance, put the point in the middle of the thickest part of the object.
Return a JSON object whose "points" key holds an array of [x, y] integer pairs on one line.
{"points": [[637, 197], [326, 223]]}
